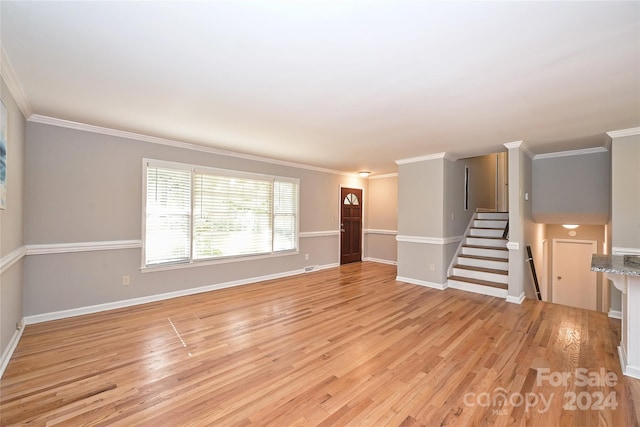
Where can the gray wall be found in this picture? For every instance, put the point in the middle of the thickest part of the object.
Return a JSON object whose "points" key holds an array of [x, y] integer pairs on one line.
{"points": [[626, 192], [86, 187], [625, 202], [431, 205], [420, 198], [572, 189], [11, 220], [382, 211]]}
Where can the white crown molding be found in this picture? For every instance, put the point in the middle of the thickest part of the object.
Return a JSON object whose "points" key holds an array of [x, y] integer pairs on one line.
{"points": [[427, 158], [521, 145], [514, 144], [429, 240], [516, 300], [580, 152], [624, 132], [7, 261], [386, 175], [375, 231], [10, 78], [305, 234], [36, 118], [62, 248], [624, 251], [513, 246]]}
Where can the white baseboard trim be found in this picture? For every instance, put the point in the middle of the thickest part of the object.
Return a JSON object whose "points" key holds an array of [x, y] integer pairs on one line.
{"points": [[615, 314], [380, 261], [628, 370], [515, 300], [63, 314], [318, 267], [439, 286], [478, 289], [11, 347]]}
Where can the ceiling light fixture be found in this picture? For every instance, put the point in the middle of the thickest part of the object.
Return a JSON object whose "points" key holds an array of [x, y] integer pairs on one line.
{"points": [[364, 174], [570, 226]]}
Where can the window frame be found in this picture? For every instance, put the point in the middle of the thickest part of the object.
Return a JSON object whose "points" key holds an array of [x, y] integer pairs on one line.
{"points": [[194, 169]]}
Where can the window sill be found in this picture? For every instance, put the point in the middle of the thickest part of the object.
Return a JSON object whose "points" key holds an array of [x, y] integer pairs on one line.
{"points": [[209, 262]]}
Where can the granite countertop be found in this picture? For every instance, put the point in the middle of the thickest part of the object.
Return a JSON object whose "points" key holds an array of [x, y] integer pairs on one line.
{"points": [[629, 265]]}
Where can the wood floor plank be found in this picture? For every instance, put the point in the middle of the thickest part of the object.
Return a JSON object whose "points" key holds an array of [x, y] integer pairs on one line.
{"points": [[345, 346]]}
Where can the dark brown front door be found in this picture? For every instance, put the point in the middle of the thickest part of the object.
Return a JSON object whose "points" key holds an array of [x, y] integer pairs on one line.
{"points": [[350, 225]]}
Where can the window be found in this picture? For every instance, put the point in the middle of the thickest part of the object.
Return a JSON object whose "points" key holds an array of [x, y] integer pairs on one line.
{"points": [[195, 214]]}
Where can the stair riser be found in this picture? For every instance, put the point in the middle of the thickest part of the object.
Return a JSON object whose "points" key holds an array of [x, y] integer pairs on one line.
{"points": [[492, 215], [496, 265], [479, 289], [481, 275], [479, 241], [478, 232], [490, 224], [493, 253]]}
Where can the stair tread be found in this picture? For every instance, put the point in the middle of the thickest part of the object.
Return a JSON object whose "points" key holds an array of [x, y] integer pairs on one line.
{"points": [[494, 248], [483, 237], [484, 258], [486, 228], [479, 282], [481, 269]]}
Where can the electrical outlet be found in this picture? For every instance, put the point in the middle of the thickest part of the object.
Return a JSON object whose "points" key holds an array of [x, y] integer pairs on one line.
{"points": [[306, 257], [126, 280], [432, 267]]}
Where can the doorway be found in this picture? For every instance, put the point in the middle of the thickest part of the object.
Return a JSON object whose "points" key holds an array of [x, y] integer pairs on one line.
{"points": [[350, 225], [573, 283]]}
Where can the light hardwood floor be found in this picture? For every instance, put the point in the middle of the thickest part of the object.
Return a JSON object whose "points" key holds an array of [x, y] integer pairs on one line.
{"points": [[349, 345]]}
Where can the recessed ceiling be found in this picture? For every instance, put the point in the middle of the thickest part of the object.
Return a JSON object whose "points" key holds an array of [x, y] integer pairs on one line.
{"points": [[348, 85]]}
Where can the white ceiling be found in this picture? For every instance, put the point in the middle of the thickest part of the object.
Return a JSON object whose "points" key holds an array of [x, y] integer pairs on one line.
{"points": [[347, 85]]}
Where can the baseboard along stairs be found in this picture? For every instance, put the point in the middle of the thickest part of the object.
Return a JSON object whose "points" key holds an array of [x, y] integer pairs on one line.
{"points": [[481, 264]]}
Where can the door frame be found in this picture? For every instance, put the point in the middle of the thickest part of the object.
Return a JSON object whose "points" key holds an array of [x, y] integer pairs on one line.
{"points": [[362, 231], [594, 244], [545, 271]]}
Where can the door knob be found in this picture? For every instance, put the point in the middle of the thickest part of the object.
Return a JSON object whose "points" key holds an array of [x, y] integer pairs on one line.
{"points": [[342, 229], [559, 277]]}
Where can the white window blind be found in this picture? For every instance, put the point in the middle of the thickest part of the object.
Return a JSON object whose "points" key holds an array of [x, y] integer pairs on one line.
{"points": [[232, 216], [168, 215], [195, 214], [285, 221]]}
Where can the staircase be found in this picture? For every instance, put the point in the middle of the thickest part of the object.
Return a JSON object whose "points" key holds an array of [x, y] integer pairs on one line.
{"points": [[481, 263]]}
